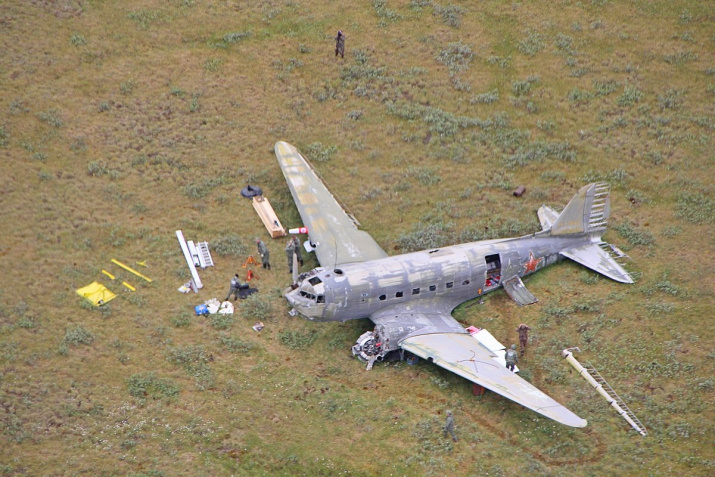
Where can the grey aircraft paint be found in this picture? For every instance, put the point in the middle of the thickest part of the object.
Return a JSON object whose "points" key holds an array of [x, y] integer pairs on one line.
{"points": [[410, 297]]}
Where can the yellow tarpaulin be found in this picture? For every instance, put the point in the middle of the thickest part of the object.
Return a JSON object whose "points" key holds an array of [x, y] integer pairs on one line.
{"points": [[96, 293]]}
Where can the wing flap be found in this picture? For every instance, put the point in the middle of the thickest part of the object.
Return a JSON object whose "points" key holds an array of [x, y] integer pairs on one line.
{"points": [[336, 238], [597, 259], [464, 356]]}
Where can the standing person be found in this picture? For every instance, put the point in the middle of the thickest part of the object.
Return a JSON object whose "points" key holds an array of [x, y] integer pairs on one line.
{"points": [[449, 426], [296, 244], [340, 44], [512, 357], [523, 337], [235, 287], [264, 253], [290, 250]]}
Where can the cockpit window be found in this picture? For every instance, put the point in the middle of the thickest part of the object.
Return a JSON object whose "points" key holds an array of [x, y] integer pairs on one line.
{"points": [[310, 296], [315, 281]]}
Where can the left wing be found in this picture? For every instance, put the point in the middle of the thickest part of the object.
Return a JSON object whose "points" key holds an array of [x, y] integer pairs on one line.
{"points": [[334, 233], [435, 337]]}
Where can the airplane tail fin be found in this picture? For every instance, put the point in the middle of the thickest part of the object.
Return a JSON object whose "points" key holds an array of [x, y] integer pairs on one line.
{"points": [[588, 212]]}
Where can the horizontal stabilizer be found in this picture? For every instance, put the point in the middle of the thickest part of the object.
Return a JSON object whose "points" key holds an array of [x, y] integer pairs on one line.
{"points": [[547, 216], [463, 355], [595, 257], [516, 290]]}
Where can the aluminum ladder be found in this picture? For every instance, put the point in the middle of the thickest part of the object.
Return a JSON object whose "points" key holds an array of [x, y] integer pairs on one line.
{"points": [[204, 255], [625, 410]]}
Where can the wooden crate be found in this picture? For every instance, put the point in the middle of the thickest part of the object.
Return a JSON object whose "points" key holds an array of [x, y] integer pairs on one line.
{"points": [[268, 216]]}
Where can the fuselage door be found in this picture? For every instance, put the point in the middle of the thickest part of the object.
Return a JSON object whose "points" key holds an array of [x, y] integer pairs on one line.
{"points": [[510, 264]]}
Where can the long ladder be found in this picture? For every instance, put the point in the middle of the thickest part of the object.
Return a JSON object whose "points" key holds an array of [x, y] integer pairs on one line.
{"points": [[599, 209], [604, 389], [204, 255]]}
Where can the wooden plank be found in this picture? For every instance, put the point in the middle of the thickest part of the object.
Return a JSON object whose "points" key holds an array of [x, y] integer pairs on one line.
{"points": [[268, 216]]}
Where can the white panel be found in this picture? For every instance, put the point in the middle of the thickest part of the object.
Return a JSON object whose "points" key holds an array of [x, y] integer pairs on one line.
{"points": [[189, 260]]}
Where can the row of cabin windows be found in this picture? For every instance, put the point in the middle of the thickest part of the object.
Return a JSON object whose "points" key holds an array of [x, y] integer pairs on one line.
{"points": [[416, 291]]}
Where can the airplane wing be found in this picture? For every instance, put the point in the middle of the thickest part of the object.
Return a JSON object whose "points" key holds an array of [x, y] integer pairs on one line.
{"points": [[334, 233], [435, 337]]}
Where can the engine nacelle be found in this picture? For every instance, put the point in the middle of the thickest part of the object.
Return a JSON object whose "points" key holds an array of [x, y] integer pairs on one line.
{"points": [[368, 347]]}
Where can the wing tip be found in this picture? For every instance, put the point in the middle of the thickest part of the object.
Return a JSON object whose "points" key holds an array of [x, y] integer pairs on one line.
{"points": [[562, 415]]}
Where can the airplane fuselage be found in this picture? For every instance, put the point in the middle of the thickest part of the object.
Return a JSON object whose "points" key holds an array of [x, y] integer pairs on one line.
{"points": [[445, 276]]}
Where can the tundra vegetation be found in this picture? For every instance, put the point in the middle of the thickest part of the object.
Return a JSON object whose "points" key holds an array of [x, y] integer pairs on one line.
{"points": [[125, 121]]}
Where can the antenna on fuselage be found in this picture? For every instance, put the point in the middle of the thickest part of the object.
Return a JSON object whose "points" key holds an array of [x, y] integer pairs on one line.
{"points": [[335, 242]]}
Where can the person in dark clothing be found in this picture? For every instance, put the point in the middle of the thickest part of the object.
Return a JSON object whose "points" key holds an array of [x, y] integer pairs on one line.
{"points": [[236, 287], [512, 357], [523, 337], [449, 426], [263, 252], [340, 44]]}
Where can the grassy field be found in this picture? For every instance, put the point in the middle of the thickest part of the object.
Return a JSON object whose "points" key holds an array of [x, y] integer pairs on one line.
{"points": [[121, 122]]}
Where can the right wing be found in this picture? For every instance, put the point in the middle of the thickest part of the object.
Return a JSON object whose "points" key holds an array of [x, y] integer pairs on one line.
{"points": [[335, 235], [465, 356], [438, 338]]}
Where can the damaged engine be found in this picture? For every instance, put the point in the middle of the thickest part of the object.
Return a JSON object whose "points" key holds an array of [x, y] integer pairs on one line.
{"points": [[381, 344], [368, 347]]}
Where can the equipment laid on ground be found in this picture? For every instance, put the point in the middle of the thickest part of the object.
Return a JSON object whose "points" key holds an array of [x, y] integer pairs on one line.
{"points": [[251, 191], [189, 260], [96, 293], [595, 379], [249, 261], [200, 254], [129, 286], [268, 216], [131, 270]]}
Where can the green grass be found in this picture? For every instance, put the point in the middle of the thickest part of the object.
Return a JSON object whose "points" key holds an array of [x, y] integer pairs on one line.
{"points": [[126, 121]]}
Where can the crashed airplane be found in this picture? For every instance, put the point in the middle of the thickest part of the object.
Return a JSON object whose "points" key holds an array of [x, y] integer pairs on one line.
{"points": [[410, 297]]}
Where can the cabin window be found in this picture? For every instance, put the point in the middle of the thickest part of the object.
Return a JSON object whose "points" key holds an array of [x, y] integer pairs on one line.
{"points": [[321, 298], [416, 291], [383, 297], [432, 287], [398, 294], [315, 281], [450, 284], [465, 282]]}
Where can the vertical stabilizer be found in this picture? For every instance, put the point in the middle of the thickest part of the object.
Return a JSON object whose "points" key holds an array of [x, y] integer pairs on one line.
{"points": [[588, 211]]}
